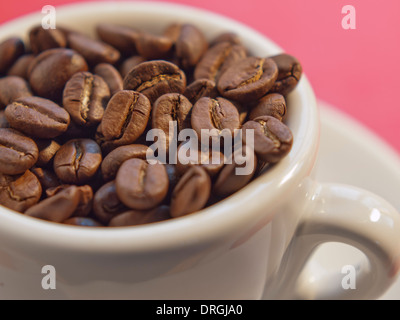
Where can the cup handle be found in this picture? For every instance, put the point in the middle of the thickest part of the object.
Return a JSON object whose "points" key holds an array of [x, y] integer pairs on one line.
{"points": [[341, 213]]}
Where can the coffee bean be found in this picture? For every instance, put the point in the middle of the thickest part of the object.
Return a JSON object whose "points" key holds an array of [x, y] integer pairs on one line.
{"points": [[94, 51], [135, 217], [249, 79], [227, 89], [43, 39], [173, 31], [199, 89], [129, 64], [191, 193], [112, 162], [57, 208], [141, 186], [171, 107], [20, 67], [230, 37], [85, 98], [272, 138], [46, 177], [153, 47], [37, 117], [77, 161], [19, 192], [217, 60], [289, 73], [190, 43], [3, 120], [272, 104], [111, 76], [155, 78], [12, 88], [51, 70], [212, 161], [47, 150], [124, 120], [229, 180], [122, 38], [214, 114], [85, 198], [18, 153], [10, 50], [106, 204], [82, 222]]}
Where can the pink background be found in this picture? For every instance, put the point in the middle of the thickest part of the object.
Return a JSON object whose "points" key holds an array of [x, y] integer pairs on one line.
{"points": [[355, 70]]}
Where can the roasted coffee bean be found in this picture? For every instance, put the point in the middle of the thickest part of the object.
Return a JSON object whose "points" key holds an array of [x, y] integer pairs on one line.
{"points": [[272, 138], [20, 67], [129, 64], [10, 50], [46, 177], [43, 39], [230, 37], [85, 198], [77, 161], [141, 186], [155, 78], [211, 161], [51, 70], [85, 98], [152, 47], [289, 73], [119, 107], [3, 120], [94, 51], [272, 104], [249, 79], [191, 193], [230, 179], [171, 107], [199, 89], [57, 208], [214, 114], [122, 38], [190, 43], [47, 150], [111, 76], [82, 222], [37, 117], [112, 162], [12, 88], [124, 120], [135, 217], [18, 153], [106, 204], [19, 192], [218, 59]]}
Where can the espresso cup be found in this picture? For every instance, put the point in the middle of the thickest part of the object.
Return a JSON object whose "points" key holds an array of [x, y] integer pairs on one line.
{"points": [[255, 244]]}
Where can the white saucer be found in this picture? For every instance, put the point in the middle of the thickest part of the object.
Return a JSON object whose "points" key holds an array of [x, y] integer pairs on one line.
{"points": [[351, 154]]}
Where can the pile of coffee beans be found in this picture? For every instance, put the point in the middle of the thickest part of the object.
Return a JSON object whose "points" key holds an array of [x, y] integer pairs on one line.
{"points": [[75, 112]]}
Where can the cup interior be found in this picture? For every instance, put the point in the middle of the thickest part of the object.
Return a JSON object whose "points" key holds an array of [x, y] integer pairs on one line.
{"points": [[232, 212]]}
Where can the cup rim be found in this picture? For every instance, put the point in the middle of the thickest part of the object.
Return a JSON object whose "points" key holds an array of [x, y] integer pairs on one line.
{"points": [[210, 223]]}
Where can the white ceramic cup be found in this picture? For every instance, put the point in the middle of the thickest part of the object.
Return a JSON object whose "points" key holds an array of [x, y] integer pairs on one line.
{"points": [[252, 245]]}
